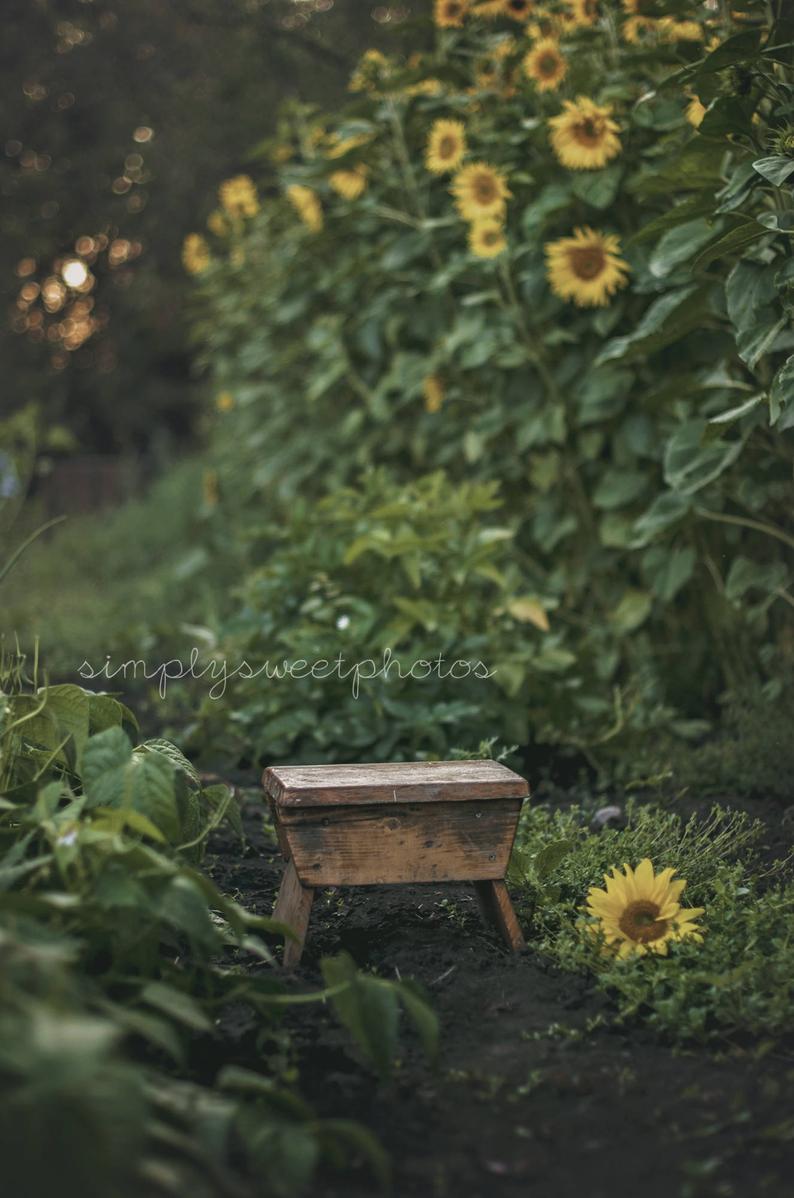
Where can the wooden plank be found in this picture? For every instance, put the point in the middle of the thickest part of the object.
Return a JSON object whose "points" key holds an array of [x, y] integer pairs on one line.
{"points": [[409, 842], [497, 910], [392, 782], [293, 907]]}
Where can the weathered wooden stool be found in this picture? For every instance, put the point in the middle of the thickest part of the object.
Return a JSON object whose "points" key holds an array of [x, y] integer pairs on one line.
{"points": [[364, 825]]}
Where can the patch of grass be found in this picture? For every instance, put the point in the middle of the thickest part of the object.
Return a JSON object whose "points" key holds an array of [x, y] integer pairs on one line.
{"points": [[738, 982], [113, 582]]}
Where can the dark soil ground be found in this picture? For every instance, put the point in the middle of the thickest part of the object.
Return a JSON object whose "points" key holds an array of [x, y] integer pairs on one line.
{"points": [[526, 1100]]}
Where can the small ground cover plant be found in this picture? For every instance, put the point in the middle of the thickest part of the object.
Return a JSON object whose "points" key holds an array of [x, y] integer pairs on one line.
{"points": [[713, 966]]}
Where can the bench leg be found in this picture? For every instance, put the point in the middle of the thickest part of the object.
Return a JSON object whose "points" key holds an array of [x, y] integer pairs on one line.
{"points": [[497, 910], [293, 907]]}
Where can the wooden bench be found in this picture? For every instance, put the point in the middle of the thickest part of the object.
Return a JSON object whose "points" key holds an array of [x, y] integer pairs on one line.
{"points": [[365, 825]]}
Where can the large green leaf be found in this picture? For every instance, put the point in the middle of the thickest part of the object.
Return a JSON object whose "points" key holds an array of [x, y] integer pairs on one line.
{"points": [[692, 460], [667, 319]]}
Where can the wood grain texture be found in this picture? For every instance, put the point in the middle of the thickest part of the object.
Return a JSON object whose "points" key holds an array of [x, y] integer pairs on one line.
{"points": [[409, 842], [293, 907], [497, 910], [392, 782]]}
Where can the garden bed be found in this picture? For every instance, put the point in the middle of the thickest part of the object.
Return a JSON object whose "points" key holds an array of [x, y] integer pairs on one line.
{"points": [[536, 1087]]}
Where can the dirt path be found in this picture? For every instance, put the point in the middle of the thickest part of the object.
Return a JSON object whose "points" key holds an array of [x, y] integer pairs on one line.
{"points": [[525, 1100]]}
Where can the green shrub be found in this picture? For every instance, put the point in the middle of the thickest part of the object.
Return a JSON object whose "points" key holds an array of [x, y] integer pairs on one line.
{"points": [[641, 447]]}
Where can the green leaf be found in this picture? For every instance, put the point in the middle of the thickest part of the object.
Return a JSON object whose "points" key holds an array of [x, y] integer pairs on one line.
{"points": [[174, 755], [775, 168], [550, 856], [781, 394], [680, 244], [632, 610], [667, 319], [738, 238], [691, 461], [422, 1016], [736, 413], [742, 47], [679, 214], [598, 188], [184, 907], [367, 1007], [749, 292], [668, 570], [178, 1005], [745, 575], [618, 488], [115, 776]]}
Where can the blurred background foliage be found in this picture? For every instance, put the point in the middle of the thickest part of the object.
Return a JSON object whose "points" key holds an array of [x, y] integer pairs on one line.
{"points": [[119, 122]]}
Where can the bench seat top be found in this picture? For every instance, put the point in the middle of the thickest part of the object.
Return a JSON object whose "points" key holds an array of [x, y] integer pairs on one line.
{"points": [[392, 782]]}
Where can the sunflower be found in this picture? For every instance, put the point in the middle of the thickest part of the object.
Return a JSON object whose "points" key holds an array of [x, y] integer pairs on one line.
{"points": [[546, 24], [583, 12], [639, 911], [519, 10], [489, 9], [446, 146], [433, 392], [695, 111], [680, 31], [238, 196], [370, 67], [307, 206], [449, 14], [480, 190], [635, 29], [545, 65], [586, 267], [217, 223], [584, 137], [487, 238], [349, 184], [195, 254]]}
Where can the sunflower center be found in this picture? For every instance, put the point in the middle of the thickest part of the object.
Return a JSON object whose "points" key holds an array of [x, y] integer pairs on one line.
{"points": [[640, 921], [447, 145], [485, 190], [454, 8], [491, 236], [587, 261], [588, 131], [518, 5], [548, 65]]}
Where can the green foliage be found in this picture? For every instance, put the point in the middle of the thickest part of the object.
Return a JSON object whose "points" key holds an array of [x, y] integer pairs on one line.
{"points": [[641, 448], [737, 981], [119, 957]]}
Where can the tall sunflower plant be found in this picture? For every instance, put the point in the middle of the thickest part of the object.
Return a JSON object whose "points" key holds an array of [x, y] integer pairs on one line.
{"points": [[554, 252]]}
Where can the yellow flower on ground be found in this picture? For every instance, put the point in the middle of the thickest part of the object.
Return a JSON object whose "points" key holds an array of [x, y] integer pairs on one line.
{"points": [[545, 65], [238, 196], [433, 392], [584, 136], [639, 912], [217, 224], [480, 190], [307, 206], [446, 146], [350, 184], [450, 14], [583, 12], [224, 401], [695, 111], [586, 268], [487, 238], [195, 254], [519, 10]]}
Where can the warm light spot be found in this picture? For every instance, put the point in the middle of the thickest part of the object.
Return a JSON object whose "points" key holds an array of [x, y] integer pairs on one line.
{"points": [[30, 292], [25, 267], [85, 245], [143, 133], [53, 293], [121, 185], [74, 272]]}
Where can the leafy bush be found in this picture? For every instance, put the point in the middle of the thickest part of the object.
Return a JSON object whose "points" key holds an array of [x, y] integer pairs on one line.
{"points": [[640, 445], [738, 981], [119, 956]]}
